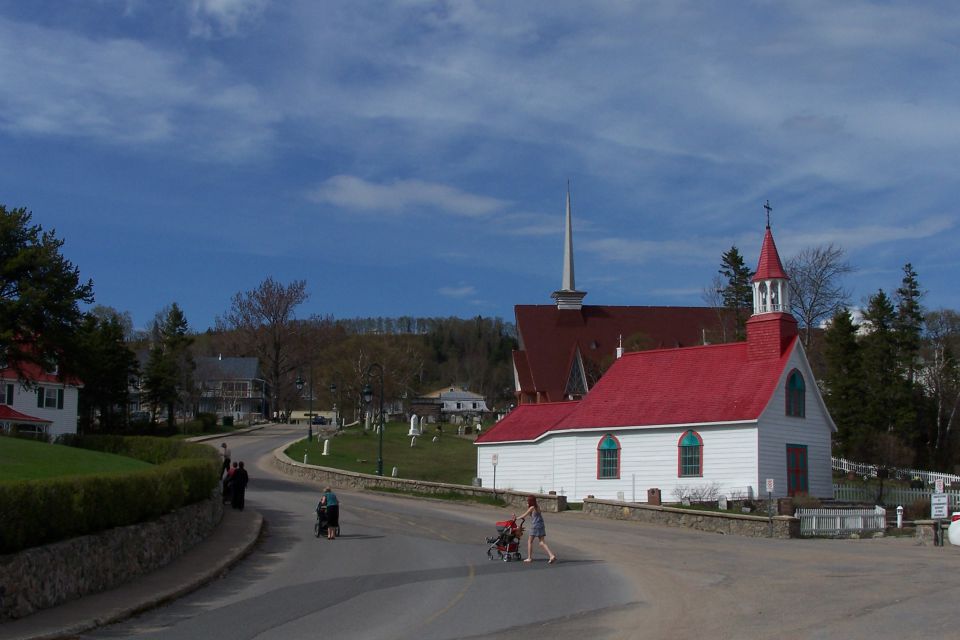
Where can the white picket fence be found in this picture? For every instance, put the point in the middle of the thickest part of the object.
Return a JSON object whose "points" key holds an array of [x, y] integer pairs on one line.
{"points": [[863, 469], [840, 522], [891, 495]]}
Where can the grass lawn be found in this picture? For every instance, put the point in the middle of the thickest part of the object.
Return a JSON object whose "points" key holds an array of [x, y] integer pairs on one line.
{"points": [[451, 459], [29, 460]]}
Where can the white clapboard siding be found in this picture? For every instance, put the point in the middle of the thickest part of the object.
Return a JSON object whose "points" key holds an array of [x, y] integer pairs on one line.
{"points": [[63, 420], [777, 430]]}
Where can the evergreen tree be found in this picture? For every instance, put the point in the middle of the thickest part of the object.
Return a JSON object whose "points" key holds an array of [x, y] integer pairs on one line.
{"points": [[40, 292], [908, 323], [737, 291], [843, 386], [884, 389], [169, 371], [105, 365]]}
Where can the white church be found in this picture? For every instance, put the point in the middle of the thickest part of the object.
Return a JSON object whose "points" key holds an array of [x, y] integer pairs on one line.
{"points": [[727, 417]]}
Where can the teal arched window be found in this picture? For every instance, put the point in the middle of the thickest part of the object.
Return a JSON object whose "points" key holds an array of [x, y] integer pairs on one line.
{"points": [[690, 455], [608, 457], [796, 395]]}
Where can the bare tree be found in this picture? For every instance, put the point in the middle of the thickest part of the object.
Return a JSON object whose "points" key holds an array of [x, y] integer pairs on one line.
{"points": [[713, 297], [940, 375], [816, 290], [264, 319]]}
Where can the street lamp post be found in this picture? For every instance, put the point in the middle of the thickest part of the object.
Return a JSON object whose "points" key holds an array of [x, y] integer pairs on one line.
{"points": [[367, 397], [309, 404]]}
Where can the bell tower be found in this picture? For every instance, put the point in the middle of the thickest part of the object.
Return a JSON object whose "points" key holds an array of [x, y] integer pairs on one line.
{"points": [[771, 328]]}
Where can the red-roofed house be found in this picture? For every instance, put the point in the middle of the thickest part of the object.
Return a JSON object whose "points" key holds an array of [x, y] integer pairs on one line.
{"points": [[564, 347], [726, 416], [47, 406]]}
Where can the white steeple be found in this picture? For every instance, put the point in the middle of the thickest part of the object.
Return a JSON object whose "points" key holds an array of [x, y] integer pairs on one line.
{"points": [[567, 296]]}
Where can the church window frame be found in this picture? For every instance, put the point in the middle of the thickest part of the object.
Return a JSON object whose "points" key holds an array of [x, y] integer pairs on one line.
{"points": [[690, 455], [795, 393], [608, 458]]}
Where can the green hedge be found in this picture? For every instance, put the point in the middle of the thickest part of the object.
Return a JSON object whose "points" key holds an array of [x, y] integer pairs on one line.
{"points": [[39, 512]]}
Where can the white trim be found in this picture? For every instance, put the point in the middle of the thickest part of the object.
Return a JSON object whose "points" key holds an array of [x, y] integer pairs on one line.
{"points": [[688, 425]]}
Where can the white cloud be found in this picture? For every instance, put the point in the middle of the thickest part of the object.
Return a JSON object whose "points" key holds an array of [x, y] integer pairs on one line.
{"points": [[216, 18], [120, 91], [402, 196], [862, 236], [461, 291]]}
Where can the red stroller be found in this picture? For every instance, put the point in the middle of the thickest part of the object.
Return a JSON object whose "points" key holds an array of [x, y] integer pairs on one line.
{"points": [[506, 544]]}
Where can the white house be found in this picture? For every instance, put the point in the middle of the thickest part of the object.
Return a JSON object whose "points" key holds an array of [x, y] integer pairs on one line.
{"points": [[720, 418], [47, 405], [453, 402]]}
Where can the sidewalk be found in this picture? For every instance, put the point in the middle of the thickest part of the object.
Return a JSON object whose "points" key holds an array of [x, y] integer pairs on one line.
{"points": [[234, 538]]}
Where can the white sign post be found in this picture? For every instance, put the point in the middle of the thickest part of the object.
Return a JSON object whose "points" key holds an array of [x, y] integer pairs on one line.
{"points": [[770, 504], [939, 502]]}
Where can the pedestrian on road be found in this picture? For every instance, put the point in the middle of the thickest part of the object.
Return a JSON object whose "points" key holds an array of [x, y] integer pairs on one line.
{"points": [[238, 487], [329, 500], [225, 454], [227, 486], [537, 530]]}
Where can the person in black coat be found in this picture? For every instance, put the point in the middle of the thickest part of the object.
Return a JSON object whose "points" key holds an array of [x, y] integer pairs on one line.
{"points": [[238, 487]]}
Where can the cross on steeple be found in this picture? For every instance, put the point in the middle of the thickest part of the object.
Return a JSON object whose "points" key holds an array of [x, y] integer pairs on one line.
{"points": [[769, 209]]}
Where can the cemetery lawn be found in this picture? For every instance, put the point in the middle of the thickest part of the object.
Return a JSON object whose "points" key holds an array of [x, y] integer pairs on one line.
{"points": [[31, 460], [451, 459]]}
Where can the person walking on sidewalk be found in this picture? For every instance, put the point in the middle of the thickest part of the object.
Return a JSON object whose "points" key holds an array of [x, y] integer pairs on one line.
{"points": [[238, 486], [537, 530], [225, 454]]}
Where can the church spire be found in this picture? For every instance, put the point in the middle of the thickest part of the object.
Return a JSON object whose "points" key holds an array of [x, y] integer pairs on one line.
{"points": [[567, 296], [568, 279]]}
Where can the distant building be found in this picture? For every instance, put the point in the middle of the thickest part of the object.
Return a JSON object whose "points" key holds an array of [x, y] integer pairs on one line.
{"points": [[565, 347], [232, 387], [42, 404], [451, 403]]}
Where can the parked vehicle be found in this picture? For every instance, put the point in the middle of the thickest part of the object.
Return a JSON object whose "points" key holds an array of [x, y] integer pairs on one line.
{"points": [[319, 420], [953, 532]]}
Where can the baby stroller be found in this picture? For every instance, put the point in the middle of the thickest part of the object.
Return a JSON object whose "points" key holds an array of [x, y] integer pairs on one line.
{"points": [[320, 526], [506, 544]]}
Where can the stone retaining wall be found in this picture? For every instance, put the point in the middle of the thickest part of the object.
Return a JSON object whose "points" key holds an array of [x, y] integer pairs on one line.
{"points": [[718, 522], [46, 576], [352, 480]]}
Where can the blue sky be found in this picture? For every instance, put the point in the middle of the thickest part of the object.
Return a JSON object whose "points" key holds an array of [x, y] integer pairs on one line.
{"points": [[410, 158]]}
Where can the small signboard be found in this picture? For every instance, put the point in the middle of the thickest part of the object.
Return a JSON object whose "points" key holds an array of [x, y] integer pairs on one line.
{"points": [[938, 506], [494, 458], [938, 485], [769, 485]]}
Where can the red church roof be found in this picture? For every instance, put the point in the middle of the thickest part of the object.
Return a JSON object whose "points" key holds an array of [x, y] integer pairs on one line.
{"points": [[549, 337], [527, 422], [769, 266], [695, 385]]}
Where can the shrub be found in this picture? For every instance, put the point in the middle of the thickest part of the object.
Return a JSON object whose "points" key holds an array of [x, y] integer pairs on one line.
{"points": [[42, 511], [228, 421]]}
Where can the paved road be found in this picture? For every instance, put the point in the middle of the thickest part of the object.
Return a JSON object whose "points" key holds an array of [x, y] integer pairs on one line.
{"points": [[411, 568], [402, 568]]}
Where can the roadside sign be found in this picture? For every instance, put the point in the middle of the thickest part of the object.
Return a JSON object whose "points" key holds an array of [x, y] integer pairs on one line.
{"points": [[769, 485], [493, 459], [938, 485], [938, 506]]}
